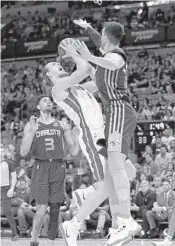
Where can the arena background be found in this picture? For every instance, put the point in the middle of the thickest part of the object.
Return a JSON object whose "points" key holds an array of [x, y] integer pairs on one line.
{"points": [[30, 33]]}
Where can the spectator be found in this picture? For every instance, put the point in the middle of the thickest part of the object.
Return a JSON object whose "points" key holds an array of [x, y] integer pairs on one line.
{"points": [[143, 203], [135, 103], [160, 17], [21, 201], [172, 148], [7, 136], [22, 173], [167, 138], [8, 182], [26, 213], [169, 115], [154, 168], [157, 185], [157, 145], [163, 158], [162, 209], [144, 14], [101, 214]]}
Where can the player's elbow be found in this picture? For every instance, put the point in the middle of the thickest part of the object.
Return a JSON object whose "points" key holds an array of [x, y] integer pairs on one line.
{"points": [[23, 152]]}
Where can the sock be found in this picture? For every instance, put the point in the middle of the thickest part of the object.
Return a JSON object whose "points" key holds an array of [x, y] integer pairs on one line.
{"points": [[123, 221], [76, 221]]}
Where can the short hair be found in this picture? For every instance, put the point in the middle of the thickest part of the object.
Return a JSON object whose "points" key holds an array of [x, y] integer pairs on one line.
{"points": [[165, 180], [157, 176], [114, 31], [40, 97], [149, 154], [144, 182], [164, 146]]}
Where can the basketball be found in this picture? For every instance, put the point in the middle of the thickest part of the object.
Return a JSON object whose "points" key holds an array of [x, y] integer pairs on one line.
{"points": [[61, 51]]}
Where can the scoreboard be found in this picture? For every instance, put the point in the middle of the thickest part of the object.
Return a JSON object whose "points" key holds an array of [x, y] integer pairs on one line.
{"points": [[146, 132]]}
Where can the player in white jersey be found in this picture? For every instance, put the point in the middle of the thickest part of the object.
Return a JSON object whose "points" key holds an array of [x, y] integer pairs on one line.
{"points": [[70, 100]]}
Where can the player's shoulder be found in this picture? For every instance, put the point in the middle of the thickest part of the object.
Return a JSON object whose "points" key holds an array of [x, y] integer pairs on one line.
{"points": [[59, 96], [27, 126], [119, 51]]}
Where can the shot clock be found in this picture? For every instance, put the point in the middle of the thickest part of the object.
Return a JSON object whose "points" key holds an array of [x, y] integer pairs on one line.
{"points": [[146, 132]]}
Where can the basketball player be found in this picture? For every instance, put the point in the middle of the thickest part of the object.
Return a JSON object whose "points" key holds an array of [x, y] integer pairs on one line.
{"points": [[44, 138], [56, 77], [121, 119]]}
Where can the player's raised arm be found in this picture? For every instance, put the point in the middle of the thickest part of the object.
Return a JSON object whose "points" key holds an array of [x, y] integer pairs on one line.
{"points": [[111, 61], [94, 35], [29, 133], [63, 83]]}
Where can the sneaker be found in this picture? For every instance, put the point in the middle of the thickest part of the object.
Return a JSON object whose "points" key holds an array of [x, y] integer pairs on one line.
{"points": [[14, 237], [125, 241], [166, 242], [130, 229], [34, 244], [70, 232]]}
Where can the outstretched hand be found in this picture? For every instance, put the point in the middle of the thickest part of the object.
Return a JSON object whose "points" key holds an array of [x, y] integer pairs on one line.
{"points": [[69, 48], [82, 23], [82, 50]]}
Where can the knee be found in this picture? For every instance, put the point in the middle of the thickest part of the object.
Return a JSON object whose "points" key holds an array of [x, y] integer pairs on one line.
{"points": [[170, 212], [46, 217], [116, 161], [67, 215], [149, 214], [41, 210], [20, 212], [102, 212]]}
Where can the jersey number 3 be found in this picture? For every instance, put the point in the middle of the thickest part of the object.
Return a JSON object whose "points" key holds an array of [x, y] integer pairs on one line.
{"points": [[49, 143]]}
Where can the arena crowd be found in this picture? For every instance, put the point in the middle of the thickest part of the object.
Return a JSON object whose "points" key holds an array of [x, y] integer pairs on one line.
{"points": [[151, 79]]}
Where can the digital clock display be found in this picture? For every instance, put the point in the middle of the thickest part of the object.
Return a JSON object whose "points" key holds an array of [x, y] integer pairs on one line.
{"points": [[146, 131]]}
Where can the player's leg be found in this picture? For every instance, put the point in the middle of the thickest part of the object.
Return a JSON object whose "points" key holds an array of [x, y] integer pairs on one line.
{"points": [[116, 159], [56, 197], [40, 193], [94, 195], [120, 126]]}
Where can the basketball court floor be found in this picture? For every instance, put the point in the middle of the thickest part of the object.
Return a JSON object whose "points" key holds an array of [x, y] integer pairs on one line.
{"points": [[88, 242]]}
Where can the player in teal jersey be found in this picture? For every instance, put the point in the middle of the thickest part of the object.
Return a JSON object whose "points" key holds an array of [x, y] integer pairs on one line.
{"points": [[45, 137]]}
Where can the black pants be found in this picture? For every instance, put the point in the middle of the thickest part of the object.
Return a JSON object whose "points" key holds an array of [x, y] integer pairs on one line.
{"points": [[6, 207], [142, 214]]}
